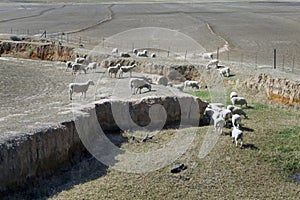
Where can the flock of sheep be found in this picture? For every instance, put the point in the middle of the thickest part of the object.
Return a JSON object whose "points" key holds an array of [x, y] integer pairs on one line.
{"points": [[231, 115], [216, 113]]}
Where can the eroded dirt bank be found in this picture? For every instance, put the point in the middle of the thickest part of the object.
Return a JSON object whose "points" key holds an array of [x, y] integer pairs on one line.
{"points": [[30, 157], [279, 89], [44, 50]]}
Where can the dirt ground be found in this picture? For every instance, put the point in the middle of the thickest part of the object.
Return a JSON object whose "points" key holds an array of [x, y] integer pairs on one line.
{"points": [[34, 93]]}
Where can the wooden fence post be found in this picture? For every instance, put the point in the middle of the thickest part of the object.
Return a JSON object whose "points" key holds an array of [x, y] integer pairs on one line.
{"points": [[274, 59]]}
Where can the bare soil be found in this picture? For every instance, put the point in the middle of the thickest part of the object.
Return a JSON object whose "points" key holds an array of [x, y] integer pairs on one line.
{"points": [[34, 93]]}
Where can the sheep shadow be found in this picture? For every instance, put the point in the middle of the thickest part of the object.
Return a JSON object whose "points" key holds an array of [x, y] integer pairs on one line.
{"points": [[250, 146], [249, 107], [247, 129]]}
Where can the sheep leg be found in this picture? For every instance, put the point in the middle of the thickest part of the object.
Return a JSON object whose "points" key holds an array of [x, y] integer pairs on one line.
{"points": [[236, 142]]}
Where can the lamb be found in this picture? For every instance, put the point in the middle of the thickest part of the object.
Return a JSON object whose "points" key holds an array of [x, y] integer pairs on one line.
{"points": [[125, 69], [81, 60], [153, 55], [138, 84], [69, 65], [226, 114], [237, 110], [79, 87], [212, 115], [219, 123], [91, 66], [236, 120], [225, 71], [78, 67], [140, 54], [239, 101], [233, 94], [115, 51], [211, 63], [113, 70], [192, 84], [236, 135]]}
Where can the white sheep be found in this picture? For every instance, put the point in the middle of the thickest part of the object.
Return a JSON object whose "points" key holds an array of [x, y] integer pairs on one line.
{"points": [[239, 101], [125, 69], [226, 114], [69, 65], [115, 51], [219, 123], [140, 53], [213, 62], [236, 135], [224, 71], [78, 67], [192, 84], [233, 94], [91, 66], [237, 110], [81, 60], [113, 70], [136, 84], [206, 56], [153, 55], [236, 120], [79, 87]]}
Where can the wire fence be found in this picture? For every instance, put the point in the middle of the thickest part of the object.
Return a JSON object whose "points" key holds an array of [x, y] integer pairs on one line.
{"points": [[277, 58]]}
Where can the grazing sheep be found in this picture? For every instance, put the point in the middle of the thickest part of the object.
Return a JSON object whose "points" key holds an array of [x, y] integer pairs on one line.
{"points": [[113, 70], [236, 120], [69, 65], [125, 69], [192, 84], [81, 60], [138, 84], [237, 110], [226, 114], [219, 123], [213, 62], [153, 55], [124, 55], [135, 51], [233, 94], [78, 67], [239, 101], [91, 66], [225, 71], [139, 53], [79, 87], [115, 51], [236, 135]]}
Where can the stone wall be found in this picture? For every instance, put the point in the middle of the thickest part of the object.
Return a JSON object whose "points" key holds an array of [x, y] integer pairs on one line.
{"points": [[278, 89], [29, 157]]}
